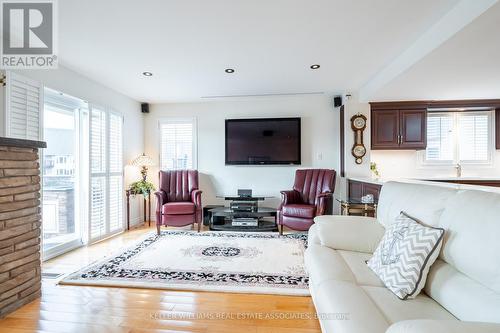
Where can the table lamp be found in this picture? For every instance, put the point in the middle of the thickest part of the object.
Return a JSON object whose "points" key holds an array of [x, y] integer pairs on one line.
{"points": [[144, 162]]}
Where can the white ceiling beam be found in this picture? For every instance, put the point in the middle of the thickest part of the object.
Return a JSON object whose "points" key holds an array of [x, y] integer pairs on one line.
{"points": [[451, 23]]}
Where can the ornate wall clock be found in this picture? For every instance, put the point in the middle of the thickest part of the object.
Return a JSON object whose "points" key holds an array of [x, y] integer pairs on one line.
{"points": [[358, 125]]}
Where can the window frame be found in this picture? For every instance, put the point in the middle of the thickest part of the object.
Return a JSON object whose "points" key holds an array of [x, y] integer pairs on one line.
{"points": [[170, 120], [456, 160]]}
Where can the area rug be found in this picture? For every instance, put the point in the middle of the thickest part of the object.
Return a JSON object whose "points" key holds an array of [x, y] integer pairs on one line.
{"points": [[239, 262]]}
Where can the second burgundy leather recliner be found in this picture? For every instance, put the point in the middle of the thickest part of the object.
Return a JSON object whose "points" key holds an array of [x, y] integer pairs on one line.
{"points": [[311, 196]]}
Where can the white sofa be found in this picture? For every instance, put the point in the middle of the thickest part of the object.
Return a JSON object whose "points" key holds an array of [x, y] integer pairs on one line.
{"points": [[462, 292]]}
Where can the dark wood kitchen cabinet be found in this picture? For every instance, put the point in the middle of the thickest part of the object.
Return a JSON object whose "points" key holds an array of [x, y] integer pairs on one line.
{"points": [[385, 129], [394, 128], [413, 129]]}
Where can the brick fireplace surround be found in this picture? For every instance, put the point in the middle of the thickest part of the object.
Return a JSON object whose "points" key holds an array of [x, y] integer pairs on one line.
{"points": [[20, 223]]}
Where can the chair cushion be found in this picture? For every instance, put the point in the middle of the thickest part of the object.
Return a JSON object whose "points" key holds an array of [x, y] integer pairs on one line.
{"points": [[299, 210], [178, 208]]}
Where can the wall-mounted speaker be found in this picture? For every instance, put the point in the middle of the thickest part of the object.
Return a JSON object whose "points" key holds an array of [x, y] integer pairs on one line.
{"points": [[337, 101], [144, 107]]}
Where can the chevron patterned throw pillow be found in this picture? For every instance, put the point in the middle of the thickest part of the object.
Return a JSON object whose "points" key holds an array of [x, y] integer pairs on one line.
{"points": [[405, 254]]}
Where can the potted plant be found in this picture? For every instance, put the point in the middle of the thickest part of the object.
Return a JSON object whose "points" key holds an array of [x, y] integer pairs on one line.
{"points": [[374, 170], [141, 187]]}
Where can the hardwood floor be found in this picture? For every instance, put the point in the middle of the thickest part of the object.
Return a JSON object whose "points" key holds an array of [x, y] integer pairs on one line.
{"points": [[100, 309]]}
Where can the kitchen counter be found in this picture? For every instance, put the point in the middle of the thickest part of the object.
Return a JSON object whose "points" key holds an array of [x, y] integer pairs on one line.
{"points": [[450, 182]]}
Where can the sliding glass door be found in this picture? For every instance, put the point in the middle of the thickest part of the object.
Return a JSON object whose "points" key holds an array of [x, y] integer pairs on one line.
{"points": [[63, 175], [82, 173]]}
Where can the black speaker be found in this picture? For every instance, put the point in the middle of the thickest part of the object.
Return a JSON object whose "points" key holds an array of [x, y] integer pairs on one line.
{"points": [[144, 107], [337, 101]]}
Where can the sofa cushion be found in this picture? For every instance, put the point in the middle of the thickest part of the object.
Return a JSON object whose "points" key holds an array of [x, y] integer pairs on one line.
{"points": [[405, 254], [465, 298], [352, 310], [323, 263], [471, 243], [299, 210], [178, 208], [442, 326], [421, 307], [423, 202], [357, 264]]}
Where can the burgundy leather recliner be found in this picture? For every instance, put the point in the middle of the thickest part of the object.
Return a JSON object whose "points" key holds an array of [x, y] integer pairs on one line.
{"points": [[311, 196], [178, 200]]}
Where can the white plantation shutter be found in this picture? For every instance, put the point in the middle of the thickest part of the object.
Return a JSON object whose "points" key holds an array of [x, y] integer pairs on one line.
{"points": [[177, 144], [98, 191], [459, 137], [115, 172], [97, 207], [440, 142], [473, 129], [106, 173], [115, 203], [97, 141], [24, 105]]}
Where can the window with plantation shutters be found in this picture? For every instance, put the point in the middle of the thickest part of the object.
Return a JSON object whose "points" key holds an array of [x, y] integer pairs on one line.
{"points": [[177, 144], [459, 137], [106, 173], [24, 105]]}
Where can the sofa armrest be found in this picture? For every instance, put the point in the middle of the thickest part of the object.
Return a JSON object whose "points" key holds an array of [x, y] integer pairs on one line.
{"points": [[442, 326], [351, 233], [196, 197]]}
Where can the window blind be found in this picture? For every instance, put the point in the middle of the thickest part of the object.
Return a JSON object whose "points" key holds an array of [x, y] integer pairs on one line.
{"points": [[106, 173], [24, 105], [115, 172], [457, 137], [473, 136], [440, 137], [177, 143]]}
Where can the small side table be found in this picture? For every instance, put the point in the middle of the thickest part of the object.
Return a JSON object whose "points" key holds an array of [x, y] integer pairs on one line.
{"points": [[355, 207], [148, 200]]}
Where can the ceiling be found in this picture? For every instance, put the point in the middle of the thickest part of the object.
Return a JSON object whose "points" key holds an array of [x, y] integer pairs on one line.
{"points": [[467, 66], [270, 44]]}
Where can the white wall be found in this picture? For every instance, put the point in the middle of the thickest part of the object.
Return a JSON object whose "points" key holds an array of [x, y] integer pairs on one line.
{"points": [[407, 164], [320, 141], [74, 84], [352, 107]]}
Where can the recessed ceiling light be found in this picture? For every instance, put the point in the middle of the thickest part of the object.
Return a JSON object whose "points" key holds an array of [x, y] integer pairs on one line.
{"points": [[229, 70], [147, 73], [316, 66]]}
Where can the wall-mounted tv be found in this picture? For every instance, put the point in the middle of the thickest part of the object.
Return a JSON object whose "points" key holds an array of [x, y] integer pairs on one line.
{"points": [[263, 141]]}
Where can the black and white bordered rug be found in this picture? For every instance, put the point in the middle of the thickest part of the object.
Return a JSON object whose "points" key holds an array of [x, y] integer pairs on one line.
{"points": [[262, 263]]}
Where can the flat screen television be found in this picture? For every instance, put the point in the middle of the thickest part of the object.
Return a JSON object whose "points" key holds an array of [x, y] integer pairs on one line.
{"points": [[263, 141]]}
